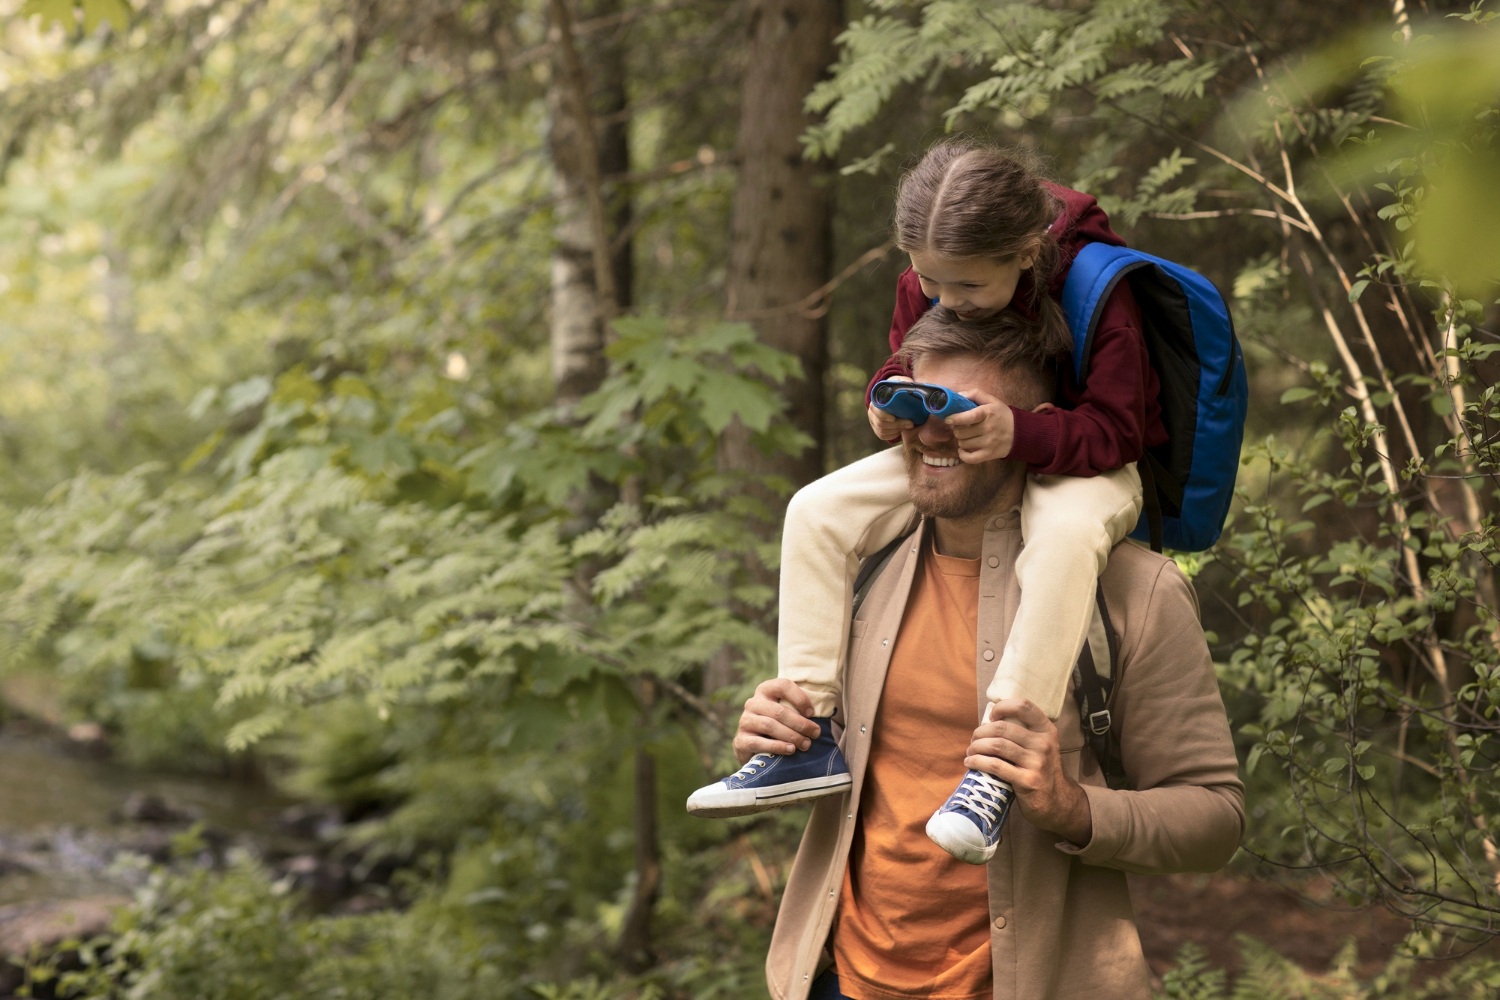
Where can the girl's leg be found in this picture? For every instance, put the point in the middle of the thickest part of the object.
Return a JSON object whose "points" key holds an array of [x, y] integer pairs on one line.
{"points": [[830, 526], [1068, 524]]}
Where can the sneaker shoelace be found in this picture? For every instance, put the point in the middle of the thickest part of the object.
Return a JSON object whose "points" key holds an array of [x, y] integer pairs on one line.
{"points": [[980, 797], [754, 764]]}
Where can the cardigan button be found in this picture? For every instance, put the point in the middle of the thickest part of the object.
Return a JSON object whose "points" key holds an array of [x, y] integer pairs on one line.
{"points": [[999, 923], [989, 654], [994, 561]]}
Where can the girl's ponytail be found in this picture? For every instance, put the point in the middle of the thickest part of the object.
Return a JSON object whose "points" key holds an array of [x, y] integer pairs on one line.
{"points": [[1056, 333], [1048, 311]]}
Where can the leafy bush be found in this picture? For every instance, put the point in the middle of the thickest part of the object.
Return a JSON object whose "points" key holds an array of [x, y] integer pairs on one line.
{"points": [[1266, 974], [239, 935], [463, 671]]}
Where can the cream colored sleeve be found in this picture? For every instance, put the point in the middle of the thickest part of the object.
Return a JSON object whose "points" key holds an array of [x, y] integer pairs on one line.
{"points": [[832, 524]]}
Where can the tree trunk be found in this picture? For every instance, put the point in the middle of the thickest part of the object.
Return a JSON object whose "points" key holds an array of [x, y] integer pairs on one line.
{"points": [[636, 947], [588, 141], [592, 274], [781, 243], [781, 239]]}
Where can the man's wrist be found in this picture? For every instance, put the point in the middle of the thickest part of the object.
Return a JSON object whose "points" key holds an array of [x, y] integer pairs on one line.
{"points": [[1076, 824]]}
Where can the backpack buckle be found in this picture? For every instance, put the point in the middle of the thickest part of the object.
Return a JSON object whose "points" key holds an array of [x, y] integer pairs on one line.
{"points": [[1099, 722]]}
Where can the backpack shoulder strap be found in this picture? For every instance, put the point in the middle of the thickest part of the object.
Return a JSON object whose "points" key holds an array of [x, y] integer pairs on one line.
{"points": [[1093, 275], [869, 570], [1093, 689]]}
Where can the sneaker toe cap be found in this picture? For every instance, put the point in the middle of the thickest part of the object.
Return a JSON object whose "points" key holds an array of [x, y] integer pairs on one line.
{"points": [[710, 796], [958, 835]]}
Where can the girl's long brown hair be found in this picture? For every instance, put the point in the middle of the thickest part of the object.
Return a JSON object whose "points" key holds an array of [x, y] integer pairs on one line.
{"points": [[966, 199]]}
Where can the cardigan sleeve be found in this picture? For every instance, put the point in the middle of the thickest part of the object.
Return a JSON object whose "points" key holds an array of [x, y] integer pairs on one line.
{"points": [[1187, 810]]}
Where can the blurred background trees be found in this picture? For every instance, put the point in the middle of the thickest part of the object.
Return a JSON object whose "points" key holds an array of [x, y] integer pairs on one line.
{"points": [[397, 395]]}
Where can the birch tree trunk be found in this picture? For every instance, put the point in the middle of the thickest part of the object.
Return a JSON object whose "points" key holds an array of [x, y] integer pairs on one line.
{"points": [[588, 142]]}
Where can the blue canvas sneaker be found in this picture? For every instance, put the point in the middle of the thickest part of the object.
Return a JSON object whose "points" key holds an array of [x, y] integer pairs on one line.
{"points": [[769, 780], [968, 825]]}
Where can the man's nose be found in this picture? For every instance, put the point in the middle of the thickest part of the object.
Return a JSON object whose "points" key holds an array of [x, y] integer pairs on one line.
{"points": [[934, 431]]}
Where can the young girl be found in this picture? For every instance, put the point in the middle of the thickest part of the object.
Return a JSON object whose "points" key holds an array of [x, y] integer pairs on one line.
{"points": [[984, 233]]}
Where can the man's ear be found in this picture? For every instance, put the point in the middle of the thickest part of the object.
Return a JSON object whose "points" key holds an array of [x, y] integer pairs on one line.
{"points": [[1042, 408]]}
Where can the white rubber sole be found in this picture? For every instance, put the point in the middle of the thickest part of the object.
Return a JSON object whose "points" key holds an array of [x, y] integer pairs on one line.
{"points": [[960, 838], [717, 800]]}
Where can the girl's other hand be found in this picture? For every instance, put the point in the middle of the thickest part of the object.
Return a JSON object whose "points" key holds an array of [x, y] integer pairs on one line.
{"points": [[985, 433], [886, 426]]}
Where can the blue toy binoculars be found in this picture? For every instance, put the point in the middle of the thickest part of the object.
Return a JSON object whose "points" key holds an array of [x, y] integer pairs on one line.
{"points": [[916, 401]]}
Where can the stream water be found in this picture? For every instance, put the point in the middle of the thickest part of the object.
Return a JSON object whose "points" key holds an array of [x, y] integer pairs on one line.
{"points": [[63, 816]]}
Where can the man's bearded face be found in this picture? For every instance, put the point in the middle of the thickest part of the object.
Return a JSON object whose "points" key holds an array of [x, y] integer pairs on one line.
{"points": [[940, 485]]}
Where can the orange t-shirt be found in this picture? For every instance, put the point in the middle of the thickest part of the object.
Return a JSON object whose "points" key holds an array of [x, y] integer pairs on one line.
{"points": [[913, 921]]}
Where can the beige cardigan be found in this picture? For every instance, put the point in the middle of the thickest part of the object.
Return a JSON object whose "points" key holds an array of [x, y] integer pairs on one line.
{"points": [[1061, 919]]}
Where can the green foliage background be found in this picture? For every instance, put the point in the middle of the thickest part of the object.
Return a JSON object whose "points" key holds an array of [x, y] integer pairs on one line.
{"points": [[287, 482]]}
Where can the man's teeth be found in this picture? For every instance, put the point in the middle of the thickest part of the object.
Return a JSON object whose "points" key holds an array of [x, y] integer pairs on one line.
{"points": [[942, 463]]}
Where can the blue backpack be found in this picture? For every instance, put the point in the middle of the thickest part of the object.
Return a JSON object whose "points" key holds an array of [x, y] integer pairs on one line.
{"points": [[1188, 481]]}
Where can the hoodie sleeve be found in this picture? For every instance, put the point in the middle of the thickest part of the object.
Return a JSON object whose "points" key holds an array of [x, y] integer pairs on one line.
{"points": [[1103, 424], [1108, 422], [910, 305]]}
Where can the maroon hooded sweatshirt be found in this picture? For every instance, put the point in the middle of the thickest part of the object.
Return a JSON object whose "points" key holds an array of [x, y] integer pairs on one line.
{"points": [[1105, 425]]}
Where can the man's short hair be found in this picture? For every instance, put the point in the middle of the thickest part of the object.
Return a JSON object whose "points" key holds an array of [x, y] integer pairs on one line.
{"points": [[1015, 345]]}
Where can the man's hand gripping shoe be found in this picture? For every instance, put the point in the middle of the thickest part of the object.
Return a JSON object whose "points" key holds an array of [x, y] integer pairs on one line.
{"points": [[770, 780]]}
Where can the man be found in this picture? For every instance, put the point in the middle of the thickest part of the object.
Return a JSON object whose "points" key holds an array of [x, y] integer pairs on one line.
{"points": [[873, 910]]}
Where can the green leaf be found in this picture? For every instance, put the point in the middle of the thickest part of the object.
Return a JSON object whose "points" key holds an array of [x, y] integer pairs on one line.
{"points": [[256, 728], [1297, 393], [114, 12], [1316, 500], [203, 452], [751, 402], [51, 12]]}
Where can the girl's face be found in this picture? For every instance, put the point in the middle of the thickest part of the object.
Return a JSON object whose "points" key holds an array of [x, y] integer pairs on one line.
{"points": [[973, 287]]}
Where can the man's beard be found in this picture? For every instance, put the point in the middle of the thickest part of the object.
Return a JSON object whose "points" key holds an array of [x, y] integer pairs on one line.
{"points": [[955, 497]]}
